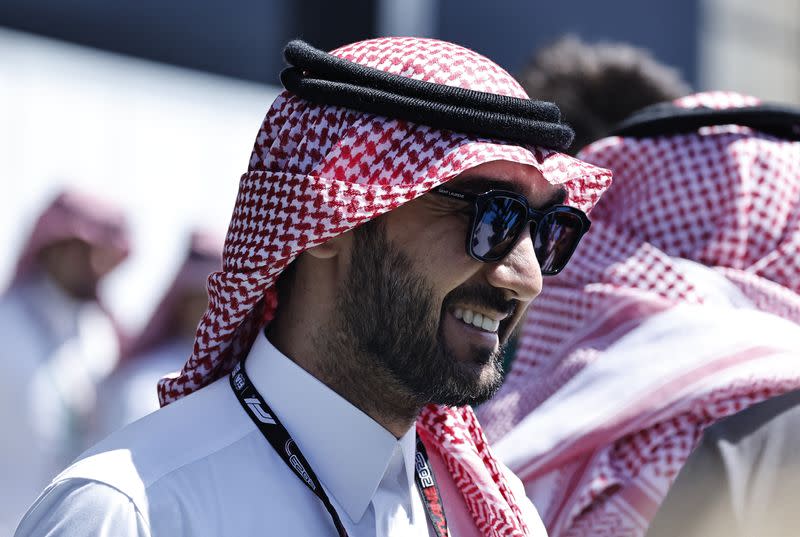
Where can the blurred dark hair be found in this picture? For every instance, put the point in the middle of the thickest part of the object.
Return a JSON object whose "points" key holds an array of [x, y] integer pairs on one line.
{"points": [[598, 85]]}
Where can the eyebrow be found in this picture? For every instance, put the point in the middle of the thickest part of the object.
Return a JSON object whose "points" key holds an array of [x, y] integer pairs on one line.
{"points": [[479, 184]]}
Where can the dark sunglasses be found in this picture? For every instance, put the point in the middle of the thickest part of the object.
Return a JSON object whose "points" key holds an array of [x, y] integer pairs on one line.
{"points": [[499, 219]]}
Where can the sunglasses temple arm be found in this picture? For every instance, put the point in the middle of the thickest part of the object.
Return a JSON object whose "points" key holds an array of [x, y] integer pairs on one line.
{"points": [[464, 196]]}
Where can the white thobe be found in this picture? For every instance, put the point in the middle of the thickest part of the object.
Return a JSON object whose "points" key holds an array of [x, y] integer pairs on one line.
{"points": [[200, 467]]}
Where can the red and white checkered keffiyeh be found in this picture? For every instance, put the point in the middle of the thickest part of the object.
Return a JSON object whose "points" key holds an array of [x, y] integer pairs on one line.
{"points": [[318, 171], [628, 354]]}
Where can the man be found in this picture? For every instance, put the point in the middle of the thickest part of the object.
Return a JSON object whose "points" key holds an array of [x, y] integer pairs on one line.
{"points": [[681, 308], [163, 344], [597, 85], [369, 331], [59, 342]]}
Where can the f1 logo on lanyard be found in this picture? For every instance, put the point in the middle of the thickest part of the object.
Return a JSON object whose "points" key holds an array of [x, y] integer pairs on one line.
{"points": [[278, 437], [260, 414]]}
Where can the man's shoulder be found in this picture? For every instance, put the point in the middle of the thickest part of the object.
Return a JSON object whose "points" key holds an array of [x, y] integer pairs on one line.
{"points": [[196, 429], [178, 471], [78, 507]]}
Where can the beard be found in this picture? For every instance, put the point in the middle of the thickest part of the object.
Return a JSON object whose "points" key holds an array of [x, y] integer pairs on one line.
{"points": [[385, 345]]}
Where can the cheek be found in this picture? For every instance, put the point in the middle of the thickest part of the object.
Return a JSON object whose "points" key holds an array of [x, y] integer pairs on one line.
{"points": [[446, 259], [434, 241], [439, 255]]}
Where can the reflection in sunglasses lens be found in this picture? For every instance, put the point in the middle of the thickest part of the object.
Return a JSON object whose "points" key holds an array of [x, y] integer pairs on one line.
{"points": [[497, 227], [556, 240]]}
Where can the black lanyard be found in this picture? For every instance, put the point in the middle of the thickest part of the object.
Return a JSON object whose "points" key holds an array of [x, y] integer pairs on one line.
{"points": [[278, 437]]}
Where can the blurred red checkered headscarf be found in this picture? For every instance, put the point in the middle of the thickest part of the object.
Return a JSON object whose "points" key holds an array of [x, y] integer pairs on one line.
{"points": [[317, 171], [74, 214], [203, 256], [691, 217]]}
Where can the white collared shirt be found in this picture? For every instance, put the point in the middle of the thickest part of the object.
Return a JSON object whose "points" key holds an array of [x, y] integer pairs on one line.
{"points": [[366, 471], [200, 467]]}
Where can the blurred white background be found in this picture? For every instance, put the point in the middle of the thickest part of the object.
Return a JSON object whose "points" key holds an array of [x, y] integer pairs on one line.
{"points": [[167, 143], [170, 143]]}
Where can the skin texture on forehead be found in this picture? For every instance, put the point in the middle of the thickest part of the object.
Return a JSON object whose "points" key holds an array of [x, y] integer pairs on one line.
{"points": [[480, 183], [518, 178]]}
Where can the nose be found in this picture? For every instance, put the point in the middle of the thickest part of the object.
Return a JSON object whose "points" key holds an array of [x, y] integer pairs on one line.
{"points": [[518, 273]]}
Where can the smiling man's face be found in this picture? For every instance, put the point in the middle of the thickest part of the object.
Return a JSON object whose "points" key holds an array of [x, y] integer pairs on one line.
{"points": [[425, 312]]}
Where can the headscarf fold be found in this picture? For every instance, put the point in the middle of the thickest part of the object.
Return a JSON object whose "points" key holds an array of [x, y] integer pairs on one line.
{"points": [[691, 217], [318, 171]]}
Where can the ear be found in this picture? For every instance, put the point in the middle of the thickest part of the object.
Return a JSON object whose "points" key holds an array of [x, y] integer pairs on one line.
{"points": [[331, 248]]}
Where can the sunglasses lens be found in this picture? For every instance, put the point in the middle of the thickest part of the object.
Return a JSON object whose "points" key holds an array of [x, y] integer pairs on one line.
{"points": [[557, 237], [497, 227]]}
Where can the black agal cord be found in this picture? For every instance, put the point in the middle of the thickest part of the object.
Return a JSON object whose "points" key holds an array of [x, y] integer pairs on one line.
{"points": [[322, 78], [280, 440], [667, 119]]}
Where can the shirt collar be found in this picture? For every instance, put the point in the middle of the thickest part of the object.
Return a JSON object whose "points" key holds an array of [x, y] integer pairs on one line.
{"points": [[348, 450]]}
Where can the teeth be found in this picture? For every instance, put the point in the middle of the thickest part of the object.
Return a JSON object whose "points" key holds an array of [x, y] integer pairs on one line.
{"points": [[477, 320]]}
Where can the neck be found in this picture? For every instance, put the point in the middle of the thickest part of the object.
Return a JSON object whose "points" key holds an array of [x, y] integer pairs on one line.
{"points": [[356, 377], [363, 382]]}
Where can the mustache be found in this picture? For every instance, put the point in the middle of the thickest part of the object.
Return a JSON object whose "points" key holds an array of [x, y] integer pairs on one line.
{"points": [[481, 295]]}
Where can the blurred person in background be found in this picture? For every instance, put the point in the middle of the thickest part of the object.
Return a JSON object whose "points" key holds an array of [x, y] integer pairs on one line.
{"points": [[681, 308], [59, 341], [163, 344], [367, 321], [597, 85]]}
